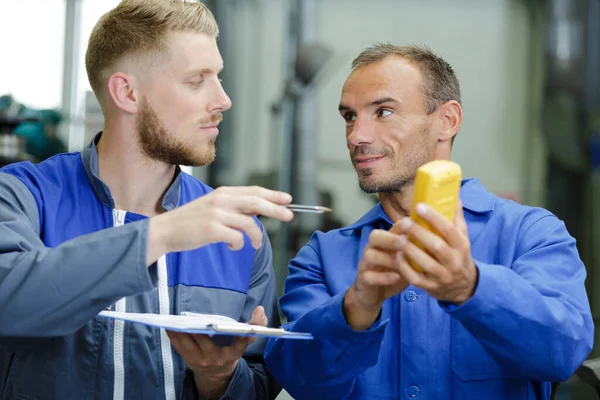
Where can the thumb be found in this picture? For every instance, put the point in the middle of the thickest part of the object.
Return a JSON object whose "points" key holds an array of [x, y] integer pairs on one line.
{"points": [[259, 317], [459, 219]]}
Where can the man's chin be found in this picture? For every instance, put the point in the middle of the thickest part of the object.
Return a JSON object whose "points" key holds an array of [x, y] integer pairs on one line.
{"points": [[204, 158], [368, 187], [198, 160], [202, 162], [378, 186]]}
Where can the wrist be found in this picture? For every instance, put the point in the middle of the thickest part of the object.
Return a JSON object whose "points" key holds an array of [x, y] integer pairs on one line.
{"points": [[470, 290], [359, 316], [214, 383], [354, 299], [158, 238]]}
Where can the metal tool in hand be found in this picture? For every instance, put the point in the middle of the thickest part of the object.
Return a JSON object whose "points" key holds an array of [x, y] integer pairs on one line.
{"points": [[308, 209]]}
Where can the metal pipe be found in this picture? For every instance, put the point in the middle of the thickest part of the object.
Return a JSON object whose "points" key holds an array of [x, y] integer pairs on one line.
{"points": [[286, 153], [74, 134], [307, 167]]}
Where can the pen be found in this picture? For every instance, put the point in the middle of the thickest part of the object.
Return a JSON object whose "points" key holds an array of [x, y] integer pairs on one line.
{"points": [[308, 209]]}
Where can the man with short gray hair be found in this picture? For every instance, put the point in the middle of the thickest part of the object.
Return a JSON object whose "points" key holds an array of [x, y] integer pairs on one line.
{"points": [[499, 310]]}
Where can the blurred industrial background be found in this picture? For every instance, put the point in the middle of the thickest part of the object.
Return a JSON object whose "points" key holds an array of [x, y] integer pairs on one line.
{"points": [[529, 71]]}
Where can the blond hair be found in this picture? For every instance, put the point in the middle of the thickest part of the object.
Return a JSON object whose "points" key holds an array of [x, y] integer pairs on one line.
{"points": [[439, 80], [141, 27]]}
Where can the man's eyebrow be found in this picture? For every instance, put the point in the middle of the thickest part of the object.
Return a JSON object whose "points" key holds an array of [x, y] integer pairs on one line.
{"points": [[383, 100], [343, 107], [378, 102], [205, 71]]}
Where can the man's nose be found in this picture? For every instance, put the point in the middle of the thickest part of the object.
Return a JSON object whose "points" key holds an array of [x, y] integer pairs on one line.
{"points": [[362, 133]]}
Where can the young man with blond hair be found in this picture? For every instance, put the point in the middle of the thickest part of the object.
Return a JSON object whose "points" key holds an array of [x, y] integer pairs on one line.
{"points": [[119, 226], [500, 309]]}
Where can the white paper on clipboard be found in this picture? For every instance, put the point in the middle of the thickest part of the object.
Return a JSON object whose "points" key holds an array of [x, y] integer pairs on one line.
{"points": [[206, 324]]}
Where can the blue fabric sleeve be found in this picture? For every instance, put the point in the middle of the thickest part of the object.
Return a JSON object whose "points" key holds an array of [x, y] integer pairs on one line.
{"points": [[55, 291], [535, 308], [326, 367]]}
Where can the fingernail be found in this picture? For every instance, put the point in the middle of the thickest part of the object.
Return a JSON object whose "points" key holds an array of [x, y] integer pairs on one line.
{"points": [[287, 197], [405, 224], [287, 213], [399, 257], [402, 241], [421, 209]]}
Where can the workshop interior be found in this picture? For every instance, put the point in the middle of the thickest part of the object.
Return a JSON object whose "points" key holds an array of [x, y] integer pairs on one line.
{"points": [[529, 72]]}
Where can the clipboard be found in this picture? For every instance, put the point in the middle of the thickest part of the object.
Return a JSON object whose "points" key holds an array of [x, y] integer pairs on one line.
{"points": [[204, 324]]}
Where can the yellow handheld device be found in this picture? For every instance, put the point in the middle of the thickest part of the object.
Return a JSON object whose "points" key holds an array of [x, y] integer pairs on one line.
{"points": [[437, 184]]}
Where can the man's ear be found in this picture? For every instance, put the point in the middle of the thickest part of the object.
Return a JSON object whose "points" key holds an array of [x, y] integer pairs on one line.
{"points": [[451, 120], [121, 90]]}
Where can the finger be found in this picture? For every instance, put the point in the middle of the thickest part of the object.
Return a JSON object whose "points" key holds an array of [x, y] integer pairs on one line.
{"points": [[376, 257], [273, 196], [221, 355], [396, 228], [234, 238], [459, 219], [240, 345], [176, 343], [428, 264], [380, 278], [255, 205], [441, 224], [188, 344], [245, 224], [189, 350], [174, 338], [208, 347], [430, 242], [411, 276], [189, 357], [384, 240], [259, 317]]}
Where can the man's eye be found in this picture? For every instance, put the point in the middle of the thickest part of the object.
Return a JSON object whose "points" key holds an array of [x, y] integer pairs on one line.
{"points": [[384, 112], [196, 81], [350, 117]]}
